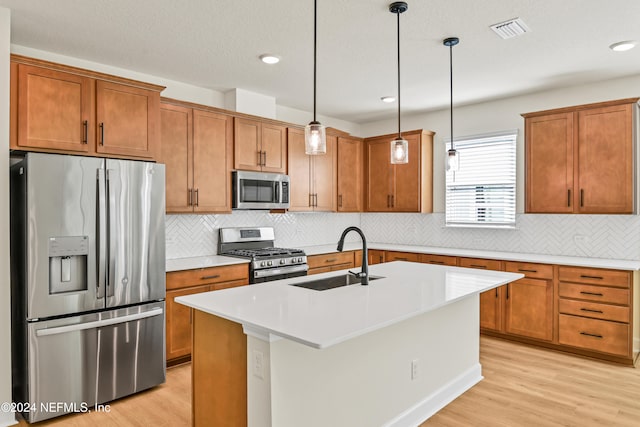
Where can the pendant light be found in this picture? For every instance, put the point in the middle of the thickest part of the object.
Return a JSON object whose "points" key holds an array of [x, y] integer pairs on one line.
{"points": [[399, 146], [315, 136], [453, 157]]}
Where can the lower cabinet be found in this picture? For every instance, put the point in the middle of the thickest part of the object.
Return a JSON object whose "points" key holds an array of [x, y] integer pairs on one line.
{"points": [[375, 256], [491, 302], [330, 262], [401, 256], [179, 317], [439, 259]]}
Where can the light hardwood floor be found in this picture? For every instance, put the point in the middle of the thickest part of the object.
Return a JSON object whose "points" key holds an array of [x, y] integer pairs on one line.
{"points": [[523, 387]]}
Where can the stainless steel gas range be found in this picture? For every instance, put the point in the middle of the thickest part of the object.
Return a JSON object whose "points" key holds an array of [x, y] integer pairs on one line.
{"points": [[267, 262]]}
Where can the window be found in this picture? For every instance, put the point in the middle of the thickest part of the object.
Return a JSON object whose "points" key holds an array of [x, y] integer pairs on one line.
{"points": [[483, 191]]}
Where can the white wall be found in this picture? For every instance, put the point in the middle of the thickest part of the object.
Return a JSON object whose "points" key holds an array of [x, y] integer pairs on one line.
{"points": [[500, 115], [6, 419]]}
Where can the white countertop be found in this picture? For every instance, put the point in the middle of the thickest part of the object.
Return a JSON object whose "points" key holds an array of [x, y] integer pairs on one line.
{"points": [[178, 264], [324, 318]]}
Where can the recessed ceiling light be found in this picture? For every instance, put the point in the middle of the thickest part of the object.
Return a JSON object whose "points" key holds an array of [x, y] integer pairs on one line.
{"points": [[622, 46], [267, 58], [388, 99]]}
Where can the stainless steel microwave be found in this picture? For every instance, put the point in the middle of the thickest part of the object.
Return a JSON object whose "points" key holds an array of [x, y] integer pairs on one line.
{"points": [[259, 190]]}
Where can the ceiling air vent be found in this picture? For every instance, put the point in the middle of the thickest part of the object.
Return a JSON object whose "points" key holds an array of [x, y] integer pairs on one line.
{"points": [[511, 28]]}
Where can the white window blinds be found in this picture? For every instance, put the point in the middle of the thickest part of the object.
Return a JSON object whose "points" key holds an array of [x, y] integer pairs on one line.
{"points": [[483, 191]]}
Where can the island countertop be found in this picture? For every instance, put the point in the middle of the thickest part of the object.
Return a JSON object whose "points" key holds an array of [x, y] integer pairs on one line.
{"points": [[322, 319]]}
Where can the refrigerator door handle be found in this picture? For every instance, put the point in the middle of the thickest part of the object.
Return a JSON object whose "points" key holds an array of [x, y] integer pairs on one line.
{"points": [[101, 236], [111, 231], [98, 323]]}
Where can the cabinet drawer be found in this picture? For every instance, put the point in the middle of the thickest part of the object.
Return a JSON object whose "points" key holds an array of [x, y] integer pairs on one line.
{"points": [[335, 258], [485, 264], [598, 335], [595, 276], [401, 256], [594, 293], [594, 310], [202, 276], [439, 259], [536, 271]]}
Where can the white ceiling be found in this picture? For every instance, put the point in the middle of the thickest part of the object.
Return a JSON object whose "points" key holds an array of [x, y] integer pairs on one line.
{"points": [[215, 44]]}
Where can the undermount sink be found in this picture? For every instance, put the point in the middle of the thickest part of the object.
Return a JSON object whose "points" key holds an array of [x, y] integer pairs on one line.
{"points": [[332, 282]]}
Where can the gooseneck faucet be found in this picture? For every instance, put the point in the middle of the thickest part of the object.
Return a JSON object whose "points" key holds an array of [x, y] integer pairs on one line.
{"points": [[364, 273]]}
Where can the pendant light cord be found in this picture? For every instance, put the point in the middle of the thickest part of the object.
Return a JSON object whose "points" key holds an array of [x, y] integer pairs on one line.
{"points": [[451, 90], [315, 54], [399, 134]]}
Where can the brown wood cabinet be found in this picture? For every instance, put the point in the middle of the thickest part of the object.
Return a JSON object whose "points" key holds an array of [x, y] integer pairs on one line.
{"points": [[188, 282], [439, 259], [580, 159], [401, 256], [260, 146], [404, 187], [594, 310], [313, 178], [334, 261], [492, 301], [197, 152], [375, 256], [69, 110], [350, 174]]}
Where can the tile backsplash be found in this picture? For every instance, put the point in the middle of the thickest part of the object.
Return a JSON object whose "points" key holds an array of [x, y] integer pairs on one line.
{"points": [[597, 236]]}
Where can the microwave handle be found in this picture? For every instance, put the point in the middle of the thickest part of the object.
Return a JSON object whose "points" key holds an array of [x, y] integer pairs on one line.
{"points": [[278, 191]]}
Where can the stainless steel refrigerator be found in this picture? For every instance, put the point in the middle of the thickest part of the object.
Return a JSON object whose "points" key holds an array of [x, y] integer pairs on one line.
{"points": [[87, 281]]}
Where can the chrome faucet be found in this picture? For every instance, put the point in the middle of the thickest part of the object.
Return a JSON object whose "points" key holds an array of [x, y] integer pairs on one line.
{"points": [[364, 273]]}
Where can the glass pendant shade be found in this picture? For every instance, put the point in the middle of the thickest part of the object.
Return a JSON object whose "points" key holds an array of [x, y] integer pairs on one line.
{"points": [[453, 160], [399, 151], [315, 139]]}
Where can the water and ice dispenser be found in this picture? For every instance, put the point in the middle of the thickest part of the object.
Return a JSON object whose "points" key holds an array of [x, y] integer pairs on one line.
{"points": [[68, 264]]}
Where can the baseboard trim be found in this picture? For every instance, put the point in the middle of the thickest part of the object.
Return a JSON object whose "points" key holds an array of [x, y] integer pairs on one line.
{"points": [[437, 400]]}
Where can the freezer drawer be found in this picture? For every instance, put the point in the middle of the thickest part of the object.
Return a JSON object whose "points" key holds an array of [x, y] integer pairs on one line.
{"points": [[82, 361]]}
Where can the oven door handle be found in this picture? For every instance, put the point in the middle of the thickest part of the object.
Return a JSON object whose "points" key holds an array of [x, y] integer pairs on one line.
{"points": [[278, 271]]}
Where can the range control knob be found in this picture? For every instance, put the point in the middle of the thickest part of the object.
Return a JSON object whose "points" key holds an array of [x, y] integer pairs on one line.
{"points": [[269, 263], [262, 264], [283, 261], [300, 259]]}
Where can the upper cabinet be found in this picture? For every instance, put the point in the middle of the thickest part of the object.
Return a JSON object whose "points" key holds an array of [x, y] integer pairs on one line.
{"points": [[401, 187], [197, 151], [63, 109], [580, 159], [313, 178], [350, 174], [260, 146]]}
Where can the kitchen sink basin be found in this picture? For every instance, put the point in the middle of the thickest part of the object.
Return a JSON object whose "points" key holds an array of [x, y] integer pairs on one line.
{"points": [[332, 282]]}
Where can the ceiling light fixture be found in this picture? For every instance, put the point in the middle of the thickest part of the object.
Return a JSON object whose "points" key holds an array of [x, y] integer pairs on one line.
{"points": [[315, 136], [623, 46], [453, 157], [388, 99], [267, 58], [399, 146]]}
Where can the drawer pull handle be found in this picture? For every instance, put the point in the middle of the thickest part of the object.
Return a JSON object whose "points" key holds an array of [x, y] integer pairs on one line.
{"points": [[524, 270], [595, 294], [584, 276], [213, 276], [332, 260], [591, 311], [478, 266], [401, 258], [437, 262], [591, 335]]}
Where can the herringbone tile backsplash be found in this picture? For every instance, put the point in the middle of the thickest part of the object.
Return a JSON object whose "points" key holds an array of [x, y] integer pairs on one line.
{"points": [[598, 236]]}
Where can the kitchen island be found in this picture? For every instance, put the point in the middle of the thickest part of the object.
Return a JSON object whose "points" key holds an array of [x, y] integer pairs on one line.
{"points": [[391, 353]]}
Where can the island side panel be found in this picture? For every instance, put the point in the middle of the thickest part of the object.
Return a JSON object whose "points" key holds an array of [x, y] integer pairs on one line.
{"points": [[367, 381], [219, 372]]}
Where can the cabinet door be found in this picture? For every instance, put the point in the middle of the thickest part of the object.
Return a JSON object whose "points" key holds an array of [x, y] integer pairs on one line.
{"points": [[490, 309], [299, 172], [350, 165], [324, 177], [274, 148], [605, 159], [529, 308], [401, 256], [439, 259], [212, 145], [379, 175], [179, 319], [128, 120], [406, 183], [549, 163], [54, 110], [176, 139], [375, 256], [247, 149]]}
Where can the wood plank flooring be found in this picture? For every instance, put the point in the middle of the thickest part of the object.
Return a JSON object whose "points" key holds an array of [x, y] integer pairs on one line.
{"points": [[523, 386]]}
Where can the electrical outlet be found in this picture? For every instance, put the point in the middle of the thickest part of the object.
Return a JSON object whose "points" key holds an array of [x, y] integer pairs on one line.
{"points": [[258, 364], [414, 369]]}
